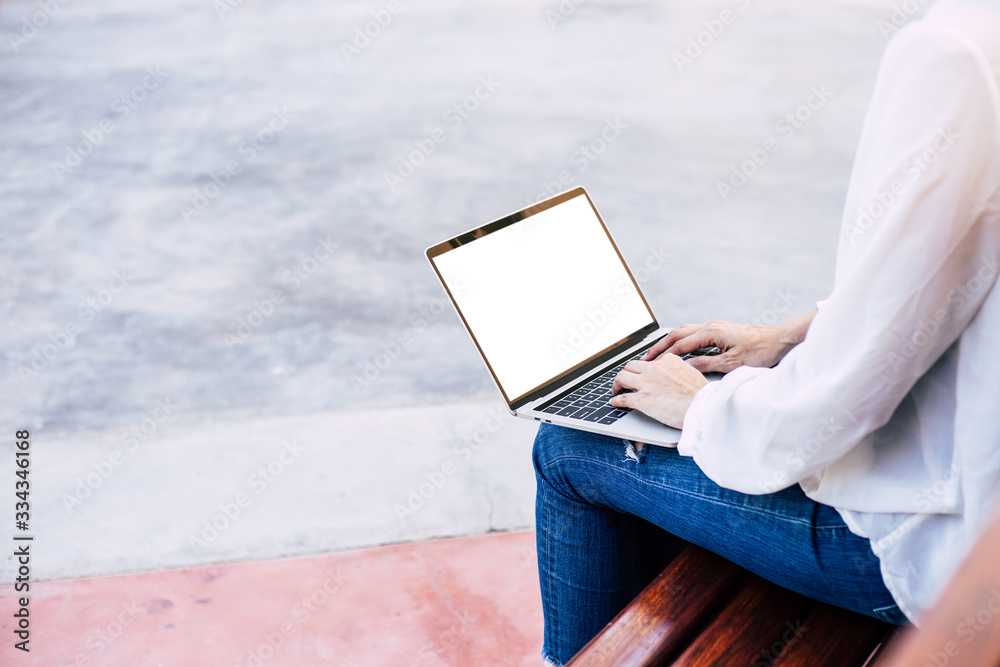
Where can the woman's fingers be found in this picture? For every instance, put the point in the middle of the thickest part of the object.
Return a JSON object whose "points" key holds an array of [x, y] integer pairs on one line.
{"points": [[658, 348], [702, 338], [627, 400], [664, 343], [719, 363], [670, 339], [625, 388], [628, 378]]}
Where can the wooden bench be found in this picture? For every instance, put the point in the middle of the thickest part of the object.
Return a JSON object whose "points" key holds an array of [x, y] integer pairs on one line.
{"points": [[704, 610]]}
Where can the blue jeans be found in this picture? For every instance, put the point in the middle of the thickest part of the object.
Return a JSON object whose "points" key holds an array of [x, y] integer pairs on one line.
{"points": [[609, 519]]}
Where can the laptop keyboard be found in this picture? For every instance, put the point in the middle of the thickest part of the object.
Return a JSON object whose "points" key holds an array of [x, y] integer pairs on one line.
{"points": [[590, 402]]}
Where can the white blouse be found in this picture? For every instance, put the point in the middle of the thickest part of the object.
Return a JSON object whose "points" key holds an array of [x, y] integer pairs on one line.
{"points": [[889, 410]]}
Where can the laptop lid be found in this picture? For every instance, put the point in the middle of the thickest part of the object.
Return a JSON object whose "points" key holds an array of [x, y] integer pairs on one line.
{"points": [[544, 293]]}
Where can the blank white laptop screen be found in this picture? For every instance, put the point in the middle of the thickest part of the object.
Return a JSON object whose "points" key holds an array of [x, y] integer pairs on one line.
{"points": [[544, 294]]}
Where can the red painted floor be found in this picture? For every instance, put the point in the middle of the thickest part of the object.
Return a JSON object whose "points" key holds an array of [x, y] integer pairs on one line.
{"points": [[469, 601]]}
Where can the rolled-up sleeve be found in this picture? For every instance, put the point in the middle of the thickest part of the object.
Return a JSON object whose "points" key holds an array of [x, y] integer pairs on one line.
{"points": [[917, 257]]}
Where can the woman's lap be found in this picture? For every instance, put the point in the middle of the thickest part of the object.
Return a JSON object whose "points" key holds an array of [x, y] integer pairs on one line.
{"points": [[599, 502]]}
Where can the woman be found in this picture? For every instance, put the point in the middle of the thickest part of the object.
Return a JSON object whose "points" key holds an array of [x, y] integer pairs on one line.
{"points": [[851, 454]]}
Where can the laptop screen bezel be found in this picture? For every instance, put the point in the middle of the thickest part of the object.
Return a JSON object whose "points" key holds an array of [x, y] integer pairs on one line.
{"points": [[582, 367]]}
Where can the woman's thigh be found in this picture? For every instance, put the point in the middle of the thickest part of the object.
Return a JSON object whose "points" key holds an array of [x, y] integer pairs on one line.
{"points": [[784, 537]]}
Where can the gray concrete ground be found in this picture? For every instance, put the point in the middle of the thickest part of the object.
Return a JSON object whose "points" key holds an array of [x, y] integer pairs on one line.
{"points": [[203, 254]]}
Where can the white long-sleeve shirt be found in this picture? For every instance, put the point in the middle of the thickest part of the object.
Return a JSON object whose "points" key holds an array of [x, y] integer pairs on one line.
{"points": [[889, 410]]}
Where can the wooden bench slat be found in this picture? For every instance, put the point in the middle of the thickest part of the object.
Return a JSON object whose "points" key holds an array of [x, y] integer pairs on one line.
{"points": [[832, 637], [659, 622], [747, 627], [712, 612]]}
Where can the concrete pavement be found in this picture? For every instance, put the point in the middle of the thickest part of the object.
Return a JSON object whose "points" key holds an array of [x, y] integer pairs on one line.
{"points": [[223, 212]]}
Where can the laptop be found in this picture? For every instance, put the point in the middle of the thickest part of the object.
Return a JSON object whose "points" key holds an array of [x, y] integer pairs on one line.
{"points": [[555, 314]]}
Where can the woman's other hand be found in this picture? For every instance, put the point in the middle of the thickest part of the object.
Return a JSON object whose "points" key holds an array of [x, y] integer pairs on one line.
{"points": [[741, 344]]}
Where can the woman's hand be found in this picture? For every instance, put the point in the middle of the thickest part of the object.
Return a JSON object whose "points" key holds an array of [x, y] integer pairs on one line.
{"points": [[662, 389], [741, 344]]}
